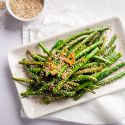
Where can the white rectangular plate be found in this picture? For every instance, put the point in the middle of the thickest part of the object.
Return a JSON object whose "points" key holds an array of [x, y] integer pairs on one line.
{"points": [[31, 106]]}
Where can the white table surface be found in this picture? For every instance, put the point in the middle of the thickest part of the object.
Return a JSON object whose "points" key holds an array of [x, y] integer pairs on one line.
{"points": [[10, 37]]}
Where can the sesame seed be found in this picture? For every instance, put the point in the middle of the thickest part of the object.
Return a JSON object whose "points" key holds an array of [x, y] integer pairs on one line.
{"points": [[26, 9]]}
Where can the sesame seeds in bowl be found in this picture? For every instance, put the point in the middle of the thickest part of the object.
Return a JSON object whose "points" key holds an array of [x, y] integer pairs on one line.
{"points": [[25, 10]]}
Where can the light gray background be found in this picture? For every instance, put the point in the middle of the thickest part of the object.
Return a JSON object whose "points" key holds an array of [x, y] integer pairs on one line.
{"points": [[10, 37]]}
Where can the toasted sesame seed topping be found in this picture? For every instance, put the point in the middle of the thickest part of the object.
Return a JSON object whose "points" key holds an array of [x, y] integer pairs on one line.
{"points": [[26, 9]]}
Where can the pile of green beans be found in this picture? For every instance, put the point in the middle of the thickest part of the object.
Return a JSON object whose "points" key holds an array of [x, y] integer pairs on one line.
{"points": [[74, 66]]}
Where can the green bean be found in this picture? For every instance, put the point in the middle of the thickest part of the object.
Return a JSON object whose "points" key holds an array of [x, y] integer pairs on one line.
{"points": [[75, 48], [67, 93], [107, 71], [35, 57], [111, 42], [112, 55], [89, 70], [83, 85], [101, 36], [84, 77], [89, 56], [45, 50], [88, 49], [73, 42], [34, 76], [43, 56], [93, 86], [102, 59], [112, 79], [80, 49], [72, 83], [28, 93], [36, 70], [57, 44], [26, 62], [104, 48], [47, 99], [113, 47], [30, 81], [33, 93], [91, 64], [116, 57]]}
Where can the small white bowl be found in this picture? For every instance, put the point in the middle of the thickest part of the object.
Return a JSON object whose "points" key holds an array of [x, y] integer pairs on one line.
{"points": [[18, 18]]}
